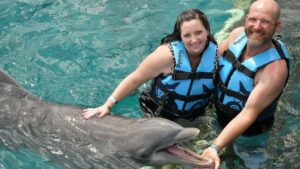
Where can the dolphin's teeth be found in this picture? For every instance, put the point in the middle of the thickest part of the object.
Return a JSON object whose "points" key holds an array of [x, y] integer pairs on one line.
{"points": [[92, 148], [189, 151], [185, 153]]}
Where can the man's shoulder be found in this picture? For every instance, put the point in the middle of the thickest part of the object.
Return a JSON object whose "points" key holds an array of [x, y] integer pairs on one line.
{"points": [[278, 65], [231, 38], [235, 33], [277, 69]]}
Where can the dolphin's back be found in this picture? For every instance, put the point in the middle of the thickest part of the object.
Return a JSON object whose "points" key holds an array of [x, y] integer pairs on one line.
{"points": [[4, 78], [57, 131]]}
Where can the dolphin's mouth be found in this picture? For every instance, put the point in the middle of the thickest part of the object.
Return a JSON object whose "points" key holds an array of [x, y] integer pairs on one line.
{"points": [[188, 155]]}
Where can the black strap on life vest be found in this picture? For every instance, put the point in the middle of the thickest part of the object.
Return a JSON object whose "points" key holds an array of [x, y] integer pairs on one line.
{"points": [[224, 108], [279, 49], [232, 93], [180, 75], [151, 108], [173, 94], [237, 64]]}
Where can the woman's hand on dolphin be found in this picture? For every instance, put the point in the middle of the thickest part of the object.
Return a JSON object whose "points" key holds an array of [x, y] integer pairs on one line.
{"points": [[90, 112], [212, 153]]}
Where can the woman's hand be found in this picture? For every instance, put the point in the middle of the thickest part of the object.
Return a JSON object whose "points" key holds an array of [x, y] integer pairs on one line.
{"points": [[212, 153], [101, 111]]}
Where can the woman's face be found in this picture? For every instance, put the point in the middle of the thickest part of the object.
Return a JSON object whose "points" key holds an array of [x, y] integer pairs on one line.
{"points": [[194, 36]]}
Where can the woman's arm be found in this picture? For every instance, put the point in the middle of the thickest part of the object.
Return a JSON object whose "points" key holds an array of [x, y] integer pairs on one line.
{"points": [[158, 62]]}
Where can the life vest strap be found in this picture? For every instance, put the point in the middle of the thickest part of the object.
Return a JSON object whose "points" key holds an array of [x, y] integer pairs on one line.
{"points": [[231, 92], [180, 75], [279, 49], [237, 64], [151, 108], [224, 108]]}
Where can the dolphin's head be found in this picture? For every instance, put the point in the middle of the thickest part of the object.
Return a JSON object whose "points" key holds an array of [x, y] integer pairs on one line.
{"points": [[157, 143]]}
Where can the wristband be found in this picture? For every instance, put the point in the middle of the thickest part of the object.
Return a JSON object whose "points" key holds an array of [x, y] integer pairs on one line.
{"points": [[216, 148], [113, 99]]}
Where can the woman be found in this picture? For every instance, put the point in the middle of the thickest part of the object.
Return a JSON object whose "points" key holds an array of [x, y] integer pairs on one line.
{"points": [[182, 70]]}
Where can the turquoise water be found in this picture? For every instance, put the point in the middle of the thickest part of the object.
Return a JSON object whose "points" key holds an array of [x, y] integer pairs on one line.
{"points": [[76, 52]]}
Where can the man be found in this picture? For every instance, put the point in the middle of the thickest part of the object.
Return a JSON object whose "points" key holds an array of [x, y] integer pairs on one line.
{"points": [[253, 71]]}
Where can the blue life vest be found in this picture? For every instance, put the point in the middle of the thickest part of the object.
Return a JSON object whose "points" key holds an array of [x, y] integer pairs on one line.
{"points": [[185, 89], [236, 79]]}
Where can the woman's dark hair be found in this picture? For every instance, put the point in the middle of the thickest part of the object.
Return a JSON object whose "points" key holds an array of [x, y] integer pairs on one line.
{"points": [[186, 16]]}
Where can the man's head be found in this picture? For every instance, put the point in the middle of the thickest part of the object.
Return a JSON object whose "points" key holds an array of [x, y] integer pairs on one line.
{"points": [[262, 22]]}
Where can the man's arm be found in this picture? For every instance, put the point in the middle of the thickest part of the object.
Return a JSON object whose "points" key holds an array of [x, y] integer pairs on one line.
{"points": [[269, 83]]}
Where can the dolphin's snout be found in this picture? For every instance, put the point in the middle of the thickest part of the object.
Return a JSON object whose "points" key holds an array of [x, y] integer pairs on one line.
{"points": [[195, 131], [187, 134]]}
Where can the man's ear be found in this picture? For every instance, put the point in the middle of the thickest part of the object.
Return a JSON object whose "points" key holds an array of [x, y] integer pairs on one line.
{"points": [[277, 26]]}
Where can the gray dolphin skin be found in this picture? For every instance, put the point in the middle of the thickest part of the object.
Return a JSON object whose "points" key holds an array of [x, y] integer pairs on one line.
{"points": [[58, 133]]}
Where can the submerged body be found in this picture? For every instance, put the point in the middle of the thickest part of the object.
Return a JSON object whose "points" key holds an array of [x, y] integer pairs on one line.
{"points": [[59, 133]]}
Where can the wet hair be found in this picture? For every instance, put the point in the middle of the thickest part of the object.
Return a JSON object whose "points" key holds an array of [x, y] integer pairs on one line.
{"points": [[187, 15]]}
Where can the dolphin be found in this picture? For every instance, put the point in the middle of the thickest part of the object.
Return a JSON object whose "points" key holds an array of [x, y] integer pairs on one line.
{"points": [[59, 133]]}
